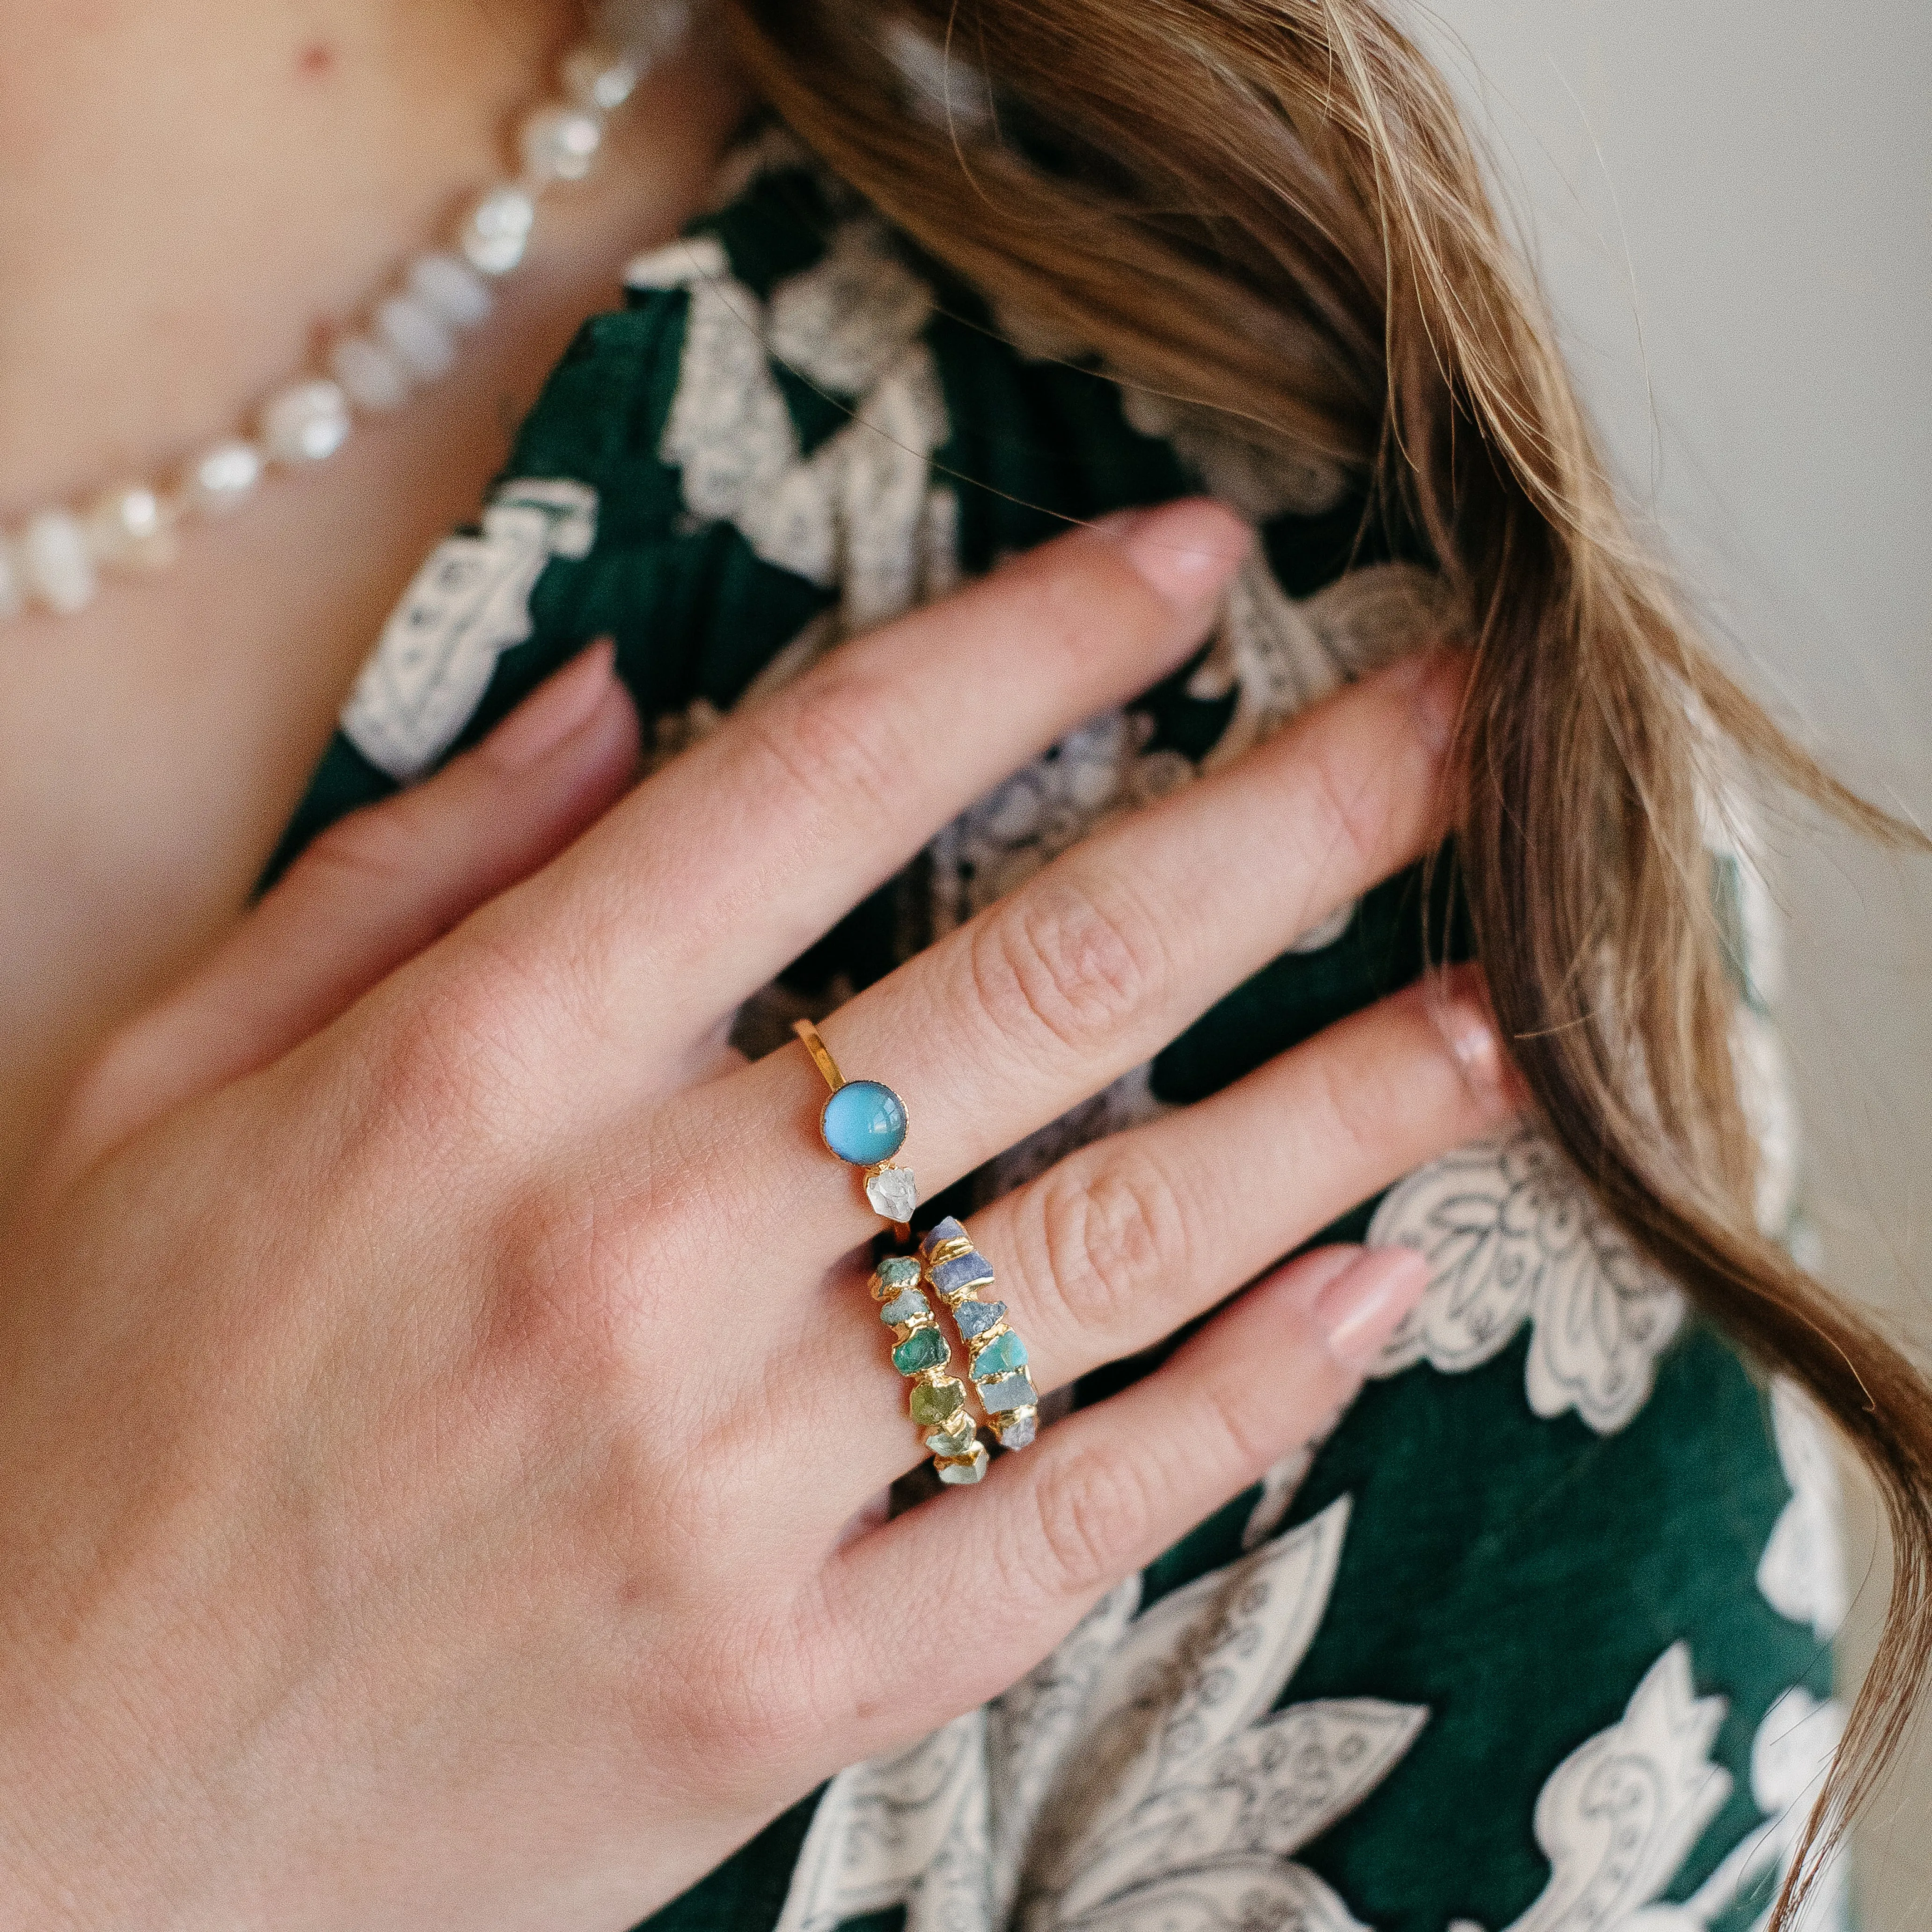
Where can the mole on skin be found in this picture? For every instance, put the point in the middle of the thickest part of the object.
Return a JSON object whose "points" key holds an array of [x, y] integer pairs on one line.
{"points": [[316, 61]]}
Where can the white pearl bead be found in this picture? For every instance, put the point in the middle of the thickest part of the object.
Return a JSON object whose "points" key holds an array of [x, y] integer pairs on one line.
{"points": [[13, 579], [498, 230], [306, 423], [418, 334], [60, 571], [561, 143], [372, 376], [600, 77], [452, 288], [132, 528], [221, 478]]}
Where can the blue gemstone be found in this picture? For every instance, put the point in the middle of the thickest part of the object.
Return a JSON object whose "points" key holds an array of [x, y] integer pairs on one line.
{"points": [[1002, 1353], [975, 1318], [1017, 1431], [947, 1230], [864, 1122], [962, 1272], [1009, 1392]]}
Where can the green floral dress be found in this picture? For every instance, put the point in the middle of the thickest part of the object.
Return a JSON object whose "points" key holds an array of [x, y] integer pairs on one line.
{"points": [[1539, 1638]]}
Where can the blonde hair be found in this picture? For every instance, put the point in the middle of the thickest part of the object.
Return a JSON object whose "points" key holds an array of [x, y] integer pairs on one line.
{"points": [[1271, 209]]}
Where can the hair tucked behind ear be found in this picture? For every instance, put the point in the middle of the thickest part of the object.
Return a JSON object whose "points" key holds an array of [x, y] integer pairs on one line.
{"points": [[1271, 208]]}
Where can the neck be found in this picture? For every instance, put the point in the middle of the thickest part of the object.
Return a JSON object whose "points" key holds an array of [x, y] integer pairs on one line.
{"points": [[189, 188]]}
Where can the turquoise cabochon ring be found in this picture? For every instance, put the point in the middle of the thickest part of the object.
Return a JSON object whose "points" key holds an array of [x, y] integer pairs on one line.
{"points": [[864, 1122]]}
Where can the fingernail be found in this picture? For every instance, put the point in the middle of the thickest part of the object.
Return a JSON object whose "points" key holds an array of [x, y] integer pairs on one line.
{"points": [[1364, 1305], [1438, 681], [1187, 551], [556, 709], [1468, 1030]]}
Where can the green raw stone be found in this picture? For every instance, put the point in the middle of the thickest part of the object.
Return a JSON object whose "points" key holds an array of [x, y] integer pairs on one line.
{"points": [[935, 1403], [968, 1470], [895, 1272], [909, 1305], [923, 1349], [955, 1442]]}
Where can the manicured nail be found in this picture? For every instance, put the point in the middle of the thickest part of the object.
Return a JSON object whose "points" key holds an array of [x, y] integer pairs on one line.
{"points": [[1436, 681], [557, 708], [1186, 550], [1468, 1030], [1364, 1305]]}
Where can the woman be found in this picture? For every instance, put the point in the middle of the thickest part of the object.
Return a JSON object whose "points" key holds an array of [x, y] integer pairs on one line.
{"points": [[470, 1387]]}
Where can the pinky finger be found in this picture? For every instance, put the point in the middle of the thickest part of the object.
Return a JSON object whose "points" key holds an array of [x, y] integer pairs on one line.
{"points": [[1109, 1488]]}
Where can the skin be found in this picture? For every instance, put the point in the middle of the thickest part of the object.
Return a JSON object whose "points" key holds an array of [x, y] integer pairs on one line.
{"points": [[188, 189], [442, 1421]]}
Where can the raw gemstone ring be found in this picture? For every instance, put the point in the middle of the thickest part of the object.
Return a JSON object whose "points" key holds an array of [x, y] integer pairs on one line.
{"points": [[938, 1401], [962, 1277], [864, 1122]]}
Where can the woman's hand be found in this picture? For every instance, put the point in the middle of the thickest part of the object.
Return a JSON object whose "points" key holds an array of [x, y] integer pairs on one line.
{"points": [[439, 1402]]}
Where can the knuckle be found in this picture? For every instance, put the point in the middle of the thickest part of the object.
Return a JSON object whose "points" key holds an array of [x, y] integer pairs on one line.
{"points": [[1095, 1510], [827, 745], [1344, 814], [1069, 957], [1108, 1237], [374, 848], [452, 1067], [1353, 1105]]}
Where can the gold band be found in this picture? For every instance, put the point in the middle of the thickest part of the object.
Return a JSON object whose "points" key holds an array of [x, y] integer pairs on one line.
{"points": [[813, 1045]]}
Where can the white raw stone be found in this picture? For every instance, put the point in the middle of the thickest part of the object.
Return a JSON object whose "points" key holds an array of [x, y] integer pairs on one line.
{"points": [[373, 377], [451, 288], [307, 422], [560, 142], [893, 1193], [498, 230], [968, 1471], [416, 333], [224, 477], [59, 567]]}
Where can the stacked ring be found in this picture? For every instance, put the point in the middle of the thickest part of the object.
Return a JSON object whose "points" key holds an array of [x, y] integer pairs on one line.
{"points": [[938, 1400], [962, 1277], [864, 1122]]}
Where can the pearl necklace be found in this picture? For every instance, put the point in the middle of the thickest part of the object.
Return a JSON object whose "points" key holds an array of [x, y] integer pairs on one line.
{"points": [[408, 338]]}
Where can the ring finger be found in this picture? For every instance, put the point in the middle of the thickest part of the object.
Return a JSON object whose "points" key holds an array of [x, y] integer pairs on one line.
{"points": [[1128, 1239]]}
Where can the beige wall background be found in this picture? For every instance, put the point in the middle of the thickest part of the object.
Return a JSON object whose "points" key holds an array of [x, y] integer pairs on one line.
{"points": [[1731, 204]]}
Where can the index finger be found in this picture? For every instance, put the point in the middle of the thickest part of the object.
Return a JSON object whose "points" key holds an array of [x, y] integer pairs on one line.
{"points": [[725, 866]]}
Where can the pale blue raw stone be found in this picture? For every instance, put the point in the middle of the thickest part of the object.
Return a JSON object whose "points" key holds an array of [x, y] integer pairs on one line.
{"points": [[975, 1318], [1017, 1431], [1007, 1392], [962, 1272], [906, 1307], [897, 1271], [1002, 1353], [864, 1122], [967, 1471]]}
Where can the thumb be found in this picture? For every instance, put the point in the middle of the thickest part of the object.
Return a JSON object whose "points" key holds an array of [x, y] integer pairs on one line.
{"points": [[375, 890]]}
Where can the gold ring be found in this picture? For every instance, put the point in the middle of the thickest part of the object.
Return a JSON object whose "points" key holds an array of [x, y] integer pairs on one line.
{"points": [[865, 1123]]}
